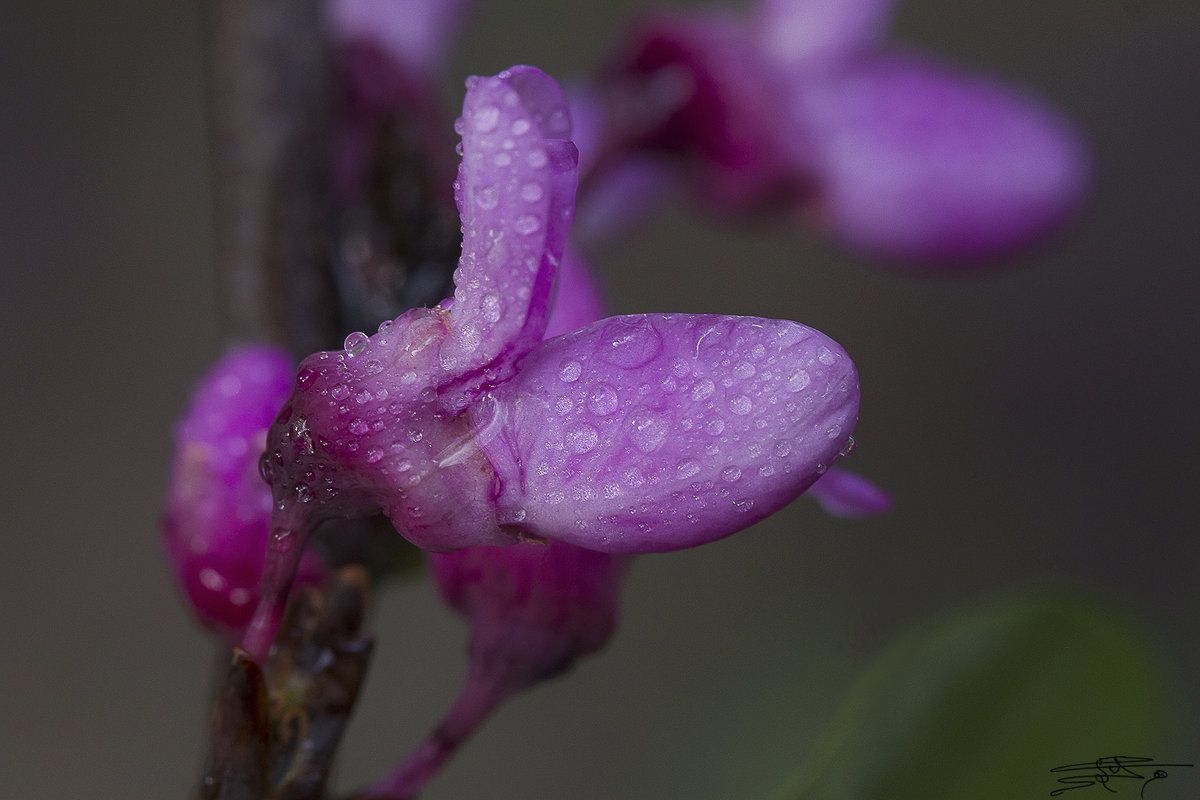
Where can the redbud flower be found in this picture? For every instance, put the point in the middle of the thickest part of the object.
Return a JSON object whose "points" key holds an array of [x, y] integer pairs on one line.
{"points": [[801, 109], [218, 508], [643, 433], [534, 610]]}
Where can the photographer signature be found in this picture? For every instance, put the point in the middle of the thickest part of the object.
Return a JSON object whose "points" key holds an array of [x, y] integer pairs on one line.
{"points": [[1104, 771]]}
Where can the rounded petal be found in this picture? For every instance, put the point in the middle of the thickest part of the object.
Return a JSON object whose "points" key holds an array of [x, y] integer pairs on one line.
{"points": [[658, 432], [218, 508], [920, 162], [516, 196]]}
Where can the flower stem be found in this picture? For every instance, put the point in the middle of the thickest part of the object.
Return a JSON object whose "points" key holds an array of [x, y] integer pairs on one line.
{"points": [[480, 696]]}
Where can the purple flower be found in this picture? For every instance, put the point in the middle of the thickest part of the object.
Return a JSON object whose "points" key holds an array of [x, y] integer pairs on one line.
{"points": [[642, 433], [534, 610], [800, 109], [216, 522]]}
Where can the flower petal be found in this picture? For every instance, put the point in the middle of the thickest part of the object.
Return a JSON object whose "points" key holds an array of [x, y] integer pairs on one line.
{"points": [[516, 196], [658, 432], [845, 494], [218, 509], [921, 162], [815, 34]]}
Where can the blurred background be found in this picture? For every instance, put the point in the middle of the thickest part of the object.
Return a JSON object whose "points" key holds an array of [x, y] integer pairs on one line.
{"points": [[1035, 423]]}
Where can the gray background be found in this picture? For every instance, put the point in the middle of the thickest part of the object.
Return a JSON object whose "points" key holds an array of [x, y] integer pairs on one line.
{"points": [[1033, 423]]}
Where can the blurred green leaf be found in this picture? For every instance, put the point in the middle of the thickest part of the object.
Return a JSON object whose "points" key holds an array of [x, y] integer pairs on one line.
{"points": [[983, 704]]}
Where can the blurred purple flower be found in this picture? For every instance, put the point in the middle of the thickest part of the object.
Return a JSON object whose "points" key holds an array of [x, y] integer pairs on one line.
{"points": [[800, 109], [218, 509], [634, 434]]}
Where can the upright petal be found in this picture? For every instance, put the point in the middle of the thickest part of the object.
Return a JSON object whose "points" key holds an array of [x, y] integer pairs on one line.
{"points": [[815, 35], [921, 162], [658, 432], [415, 33], [516, 196]]}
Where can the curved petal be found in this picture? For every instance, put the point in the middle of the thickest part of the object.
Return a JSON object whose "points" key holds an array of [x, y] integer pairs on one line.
{"points": [[845, 494], [516, 196], [577, 301], [658, 432], [218, 508], [921, 162]]}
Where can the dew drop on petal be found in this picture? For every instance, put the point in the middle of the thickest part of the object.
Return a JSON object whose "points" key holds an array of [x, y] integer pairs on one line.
{"points": [[798, 381], [374, 455], [527, 224], [582, 439], [570, 371], [603, 400], [740, 405], [743, 505], [356, 343], [731, 473], [826, 356], [647, 430], [686, 468], [305, 378], [532, 192], [849, 447], [485, 118], [487, 197], [703, 389], [340, 392], [520, 127]]}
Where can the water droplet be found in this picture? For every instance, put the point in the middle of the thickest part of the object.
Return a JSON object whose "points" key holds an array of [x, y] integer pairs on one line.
{"points": [[485, 118], [612, 491], [826, 356], [358, 427], [821, 469], [502, 159], [340, 392], [305, 378], [532, 192], [304, 493], [527, 224], [570, 371], [632, 342], [603, 400], [833, 431], [373, 367], [520, 127], [740, 405], [364, 396], [265, 468], [374, 455], [731, 473], [743, 505], [758, 352], [743, 370], [715, 426], [487, 197], [686, 469], [582, 439], [564, 406], [783, 449], [356, 343], [385, 326], [537, 159], [849, 447], [798, 381], [409, 378], [703, 389], [648, 430], [766, 470]]}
